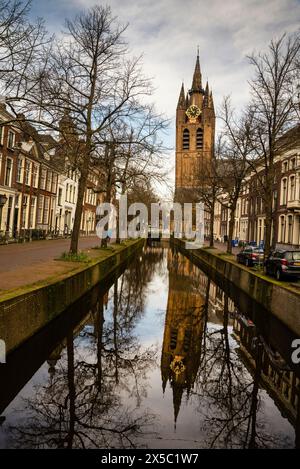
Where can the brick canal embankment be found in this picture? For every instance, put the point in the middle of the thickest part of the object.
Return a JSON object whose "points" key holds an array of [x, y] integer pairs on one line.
{"points": [[279, 298], [27, 310]]}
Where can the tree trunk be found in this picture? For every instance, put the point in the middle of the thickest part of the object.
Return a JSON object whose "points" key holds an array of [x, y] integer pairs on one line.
{"points": [[72, 391], [115, 319], [99, 320], [118, 240], [254, 400], [268, 225], [79, 206], [109, 150], [231, 228], [211, 225]]}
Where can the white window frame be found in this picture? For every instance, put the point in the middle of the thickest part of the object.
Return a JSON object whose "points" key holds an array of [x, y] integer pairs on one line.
{"points": [[11, 132], [11, 172]]}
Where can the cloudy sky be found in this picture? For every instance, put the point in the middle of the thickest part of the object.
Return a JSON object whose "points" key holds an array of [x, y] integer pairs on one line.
{"points": [[167, 33]]}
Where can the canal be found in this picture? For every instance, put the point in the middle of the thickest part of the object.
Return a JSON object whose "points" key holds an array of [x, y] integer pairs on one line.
{"points": [[160, 356]]}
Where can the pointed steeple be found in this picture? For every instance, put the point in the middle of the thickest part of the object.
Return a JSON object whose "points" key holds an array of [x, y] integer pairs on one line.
{"points": [[181, 100], [177, 397], [211, 101], [196, 85], [187, 100], [206, 95]]}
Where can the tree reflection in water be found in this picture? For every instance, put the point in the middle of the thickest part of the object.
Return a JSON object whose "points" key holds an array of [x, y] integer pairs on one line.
{"points": [[81, 405], [225, 393], [96, 391]]}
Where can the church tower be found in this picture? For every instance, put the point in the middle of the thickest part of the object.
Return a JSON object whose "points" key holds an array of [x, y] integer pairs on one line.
{"points": [[195, 133]]}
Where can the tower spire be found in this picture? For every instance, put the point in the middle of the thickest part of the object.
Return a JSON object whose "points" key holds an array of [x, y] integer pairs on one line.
{"points": [[206, 95], [211, 101], [196, 85], [181, 99]]}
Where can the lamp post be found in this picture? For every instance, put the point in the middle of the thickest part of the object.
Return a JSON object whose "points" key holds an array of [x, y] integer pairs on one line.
{"points": [[3, 200]]}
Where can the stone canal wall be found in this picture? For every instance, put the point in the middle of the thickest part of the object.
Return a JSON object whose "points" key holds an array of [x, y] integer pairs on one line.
{"points": [[24, 314], [278, 298]]}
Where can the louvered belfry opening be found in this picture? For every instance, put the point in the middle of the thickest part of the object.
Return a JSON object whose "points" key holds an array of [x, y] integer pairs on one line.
{"points": [[186, 139], [199, 139]]}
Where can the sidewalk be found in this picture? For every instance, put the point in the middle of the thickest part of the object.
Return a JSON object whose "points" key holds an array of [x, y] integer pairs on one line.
{"points": [[223, 247], [24, 264]]}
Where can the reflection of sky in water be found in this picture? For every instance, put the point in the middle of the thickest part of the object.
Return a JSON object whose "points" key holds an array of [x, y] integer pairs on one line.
{"points": [[190, 431]]}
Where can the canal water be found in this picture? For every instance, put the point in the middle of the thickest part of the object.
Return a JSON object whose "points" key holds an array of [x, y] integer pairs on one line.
{"points": [[159, 357]]}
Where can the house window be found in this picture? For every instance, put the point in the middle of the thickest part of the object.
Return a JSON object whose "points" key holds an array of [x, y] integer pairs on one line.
{"points": [[9, 210], [199, 139], [48, 181], [40, 209], [24, 210], [282, 229], [32, 209], [274, 200], [186, 140], [19, 170], [11, 139], [54, 183], [292, 188], [8, 172], [285, 166], [34, 175], [46, 211], [284, 191], [1, 134], [43, 179], [290, 229], [27, 172], [59, 195]]}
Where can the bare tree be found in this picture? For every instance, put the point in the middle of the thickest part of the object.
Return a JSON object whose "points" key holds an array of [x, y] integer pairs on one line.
{"points": [[132, 153], [237, 150], [23, 58], [95, 83], [210, 185], [90, 78], [274, 93]]}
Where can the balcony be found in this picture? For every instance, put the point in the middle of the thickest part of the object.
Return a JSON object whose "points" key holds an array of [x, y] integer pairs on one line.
{"points": [[293, 204]]}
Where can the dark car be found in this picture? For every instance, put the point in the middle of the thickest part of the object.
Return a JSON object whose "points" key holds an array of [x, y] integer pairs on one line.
{"points": [[283, 263], [250, 255]]}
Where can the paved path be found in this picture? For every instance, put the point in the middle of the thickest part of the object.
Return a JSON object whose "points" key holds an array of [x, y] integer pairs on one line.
{"points": [[13, 256], [223, 247], [24, 264]]}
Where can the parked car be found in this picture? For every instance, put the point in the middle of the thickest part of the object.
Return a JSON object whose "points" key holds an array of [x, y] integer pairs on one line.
{"points": [[283, 263], [250, 255]]}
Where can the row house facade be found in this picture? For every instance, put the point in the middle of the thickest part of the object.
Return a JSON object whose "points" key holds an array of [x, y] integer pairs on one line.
{"points": [[90, 201], [250, 212], [66, 201], [37, 199], [28, 184]]}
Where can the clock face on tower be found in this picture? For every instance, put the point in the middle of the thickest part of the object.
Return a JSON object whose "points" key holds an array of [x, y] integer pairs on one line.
{"points": [[193, 112]]}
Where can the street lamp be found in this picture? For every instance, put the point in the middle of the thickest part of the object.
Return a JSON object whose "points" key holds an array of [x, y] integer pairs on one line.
{"points": [[3, 200]]}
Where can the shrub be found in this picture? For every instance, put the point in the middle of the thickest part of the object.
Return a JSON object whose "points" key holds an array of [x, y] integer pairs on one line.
{"points": [[80, 257]]}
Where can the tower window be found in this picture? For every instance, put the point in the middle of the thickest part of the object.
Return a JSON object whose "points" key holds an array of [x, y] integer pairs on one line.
{"points": [[199, 139], [186, 140]]}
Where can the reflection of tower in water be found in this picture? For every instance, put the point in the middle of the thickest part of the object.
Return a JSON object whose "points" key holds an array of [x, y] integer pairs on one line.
{"points": [[181, 349]]}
